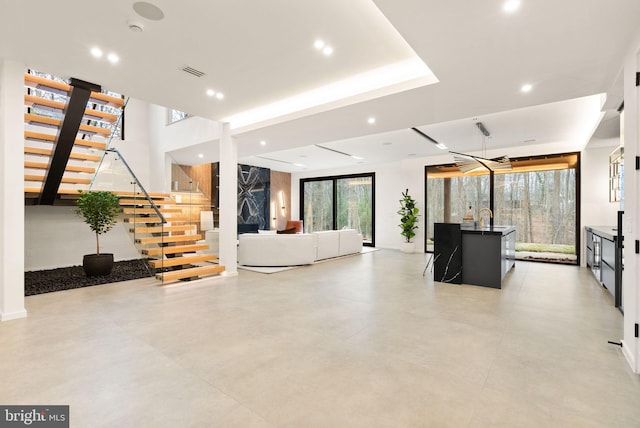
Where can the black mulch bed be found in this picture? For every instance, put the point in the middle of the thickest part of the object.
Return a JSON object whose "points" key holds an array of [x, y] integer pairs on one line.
{"points": [[47, 281]]}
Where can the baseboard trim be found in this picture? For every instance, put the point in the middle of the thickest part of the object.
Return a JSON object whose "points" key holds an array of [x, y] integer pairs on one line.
{"points": [[631, 360], [13, 315]]}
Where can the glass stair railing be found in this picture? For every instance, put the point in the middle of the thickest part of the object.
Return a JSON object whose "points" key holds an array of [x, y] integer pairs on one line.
{"points": [[163, 230]]}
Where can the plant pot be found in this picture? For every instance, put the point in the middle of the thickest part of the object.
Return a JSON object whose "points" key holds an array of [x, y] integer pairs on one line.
{"points": [[408, 247], [97, 264]]}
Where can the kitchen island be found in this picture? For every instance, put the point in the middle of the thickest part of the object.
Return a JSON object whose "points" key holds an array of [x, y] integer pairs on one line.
{"points": [[473, 255]]}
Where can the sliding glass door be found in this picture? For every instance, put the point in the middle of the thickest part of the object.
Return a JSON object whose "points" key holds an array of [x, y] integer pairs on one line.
{"points": [[318, 205], [330, 203]]}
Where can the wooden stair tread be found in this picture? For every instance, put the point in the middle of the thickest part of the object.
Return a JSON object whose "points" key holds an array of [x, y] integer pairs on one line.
{"points": [[181, 261], [49, 152], [68, 180], [152, 195], [164, 239], [163, 229], [100, 98], [70, 168], [46, 84], [61, 191], [32, 100], [64, 88], [51, 121], [177, 249], [154, 219], [144, 202], [95, 129], [133, 211], [189, 273], [49, 138]]}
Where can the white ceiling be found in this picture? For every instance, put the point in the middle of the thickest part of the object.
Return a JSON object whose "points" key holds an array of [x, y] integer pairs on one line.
{"points": [[261, 54]]}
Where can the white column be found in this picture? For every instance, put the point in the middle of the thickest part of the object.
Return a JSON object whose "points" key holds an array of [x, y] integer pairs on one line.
{"points": [[631, 224], [11, 191], [228, 201]]}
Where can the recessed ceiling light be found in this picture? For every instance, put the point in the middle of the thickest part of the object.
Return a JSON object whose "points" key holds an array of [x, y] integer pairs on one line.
{"points": [[357, 157], [200, 155], [211, 92], [300, 165], [441, 146], [219, 95], [113, 58], [371, 120], [318, 44], [263, 143], [511, 6], [96, 52], [328, 50], [527, 87]]}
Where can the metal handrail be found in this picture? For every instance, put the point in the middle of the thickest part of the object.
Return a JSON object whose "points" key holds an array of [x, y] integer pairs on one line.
{"points": [[146, 195]]}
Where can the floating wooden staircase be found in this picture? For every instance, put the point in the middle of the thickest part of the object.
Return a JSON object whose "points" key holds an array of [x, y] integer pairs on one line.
{"points": [[172, 247], [46, 102], [171, 244]]}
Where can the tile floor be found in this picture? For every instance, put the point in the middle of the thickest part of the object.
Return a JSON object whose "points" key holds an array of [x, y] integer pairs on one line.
{"points": [[363, 341]]}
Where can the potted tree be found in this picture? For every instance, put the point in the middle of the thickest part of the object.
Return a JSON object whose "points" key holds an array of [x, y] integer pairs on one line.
{"points": [[100, 211], [408, 220]]}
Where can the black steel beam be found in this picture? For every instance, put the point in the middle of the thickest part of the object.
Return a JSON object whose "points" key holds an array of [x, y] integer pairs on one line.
{"points": [[73, 114]]}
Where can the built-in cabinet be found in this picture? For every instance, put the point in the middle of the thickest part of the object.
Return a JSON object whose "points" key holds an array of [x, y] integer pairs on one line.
{"points": [[603, 257]]}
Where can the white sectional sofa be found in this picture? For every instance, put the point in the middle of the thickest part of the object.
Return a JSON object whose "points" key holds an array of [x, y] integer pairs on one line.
{"points": [[296, 249]]}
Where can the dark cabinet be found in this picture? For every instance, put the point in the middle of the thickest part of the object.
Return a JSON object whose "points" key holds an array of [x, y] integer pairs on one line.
{"points": [[607, 265], [604, 257]]}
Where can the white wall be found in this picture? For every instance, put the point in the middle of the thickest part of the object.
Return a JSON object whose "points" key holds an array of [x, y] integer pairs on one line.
{"points": [[630, 280], [56, 237], [136, 147], [12, 194], [184, 133], [596, 210]]}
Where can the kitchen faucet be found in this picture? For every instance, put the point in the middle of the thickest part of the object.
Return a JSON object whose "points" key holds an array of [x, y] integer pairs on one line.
{"points": [[481, 218]]}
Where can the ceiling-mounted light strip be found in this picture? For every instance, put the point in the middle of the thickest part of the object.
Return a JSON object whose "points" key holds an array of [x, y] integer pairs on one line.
{"points": [[281, 161], [438, 145], [339, 152]]}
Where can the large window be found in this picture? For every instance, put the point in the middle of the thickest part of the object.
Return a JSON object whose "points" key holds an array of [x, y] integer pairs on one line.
{"points": [[538, 196], [117, 129], [174, 115], [329, 203]]}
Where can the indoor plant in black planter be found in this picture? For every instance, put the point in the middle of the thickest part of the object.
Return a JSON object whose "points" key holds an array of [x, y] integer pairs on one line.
{"points": [[408, 220], [100, 211]]}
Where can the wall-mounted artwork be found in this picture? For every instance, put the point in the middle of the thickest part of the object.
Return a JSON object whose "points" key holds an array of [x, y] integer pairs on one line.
{"points": [[254, 193]]}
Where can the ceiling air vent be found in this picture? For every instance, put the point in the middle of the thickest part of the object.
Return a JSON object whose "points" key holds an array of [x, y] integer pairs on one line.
{"points": [[193, 71]]}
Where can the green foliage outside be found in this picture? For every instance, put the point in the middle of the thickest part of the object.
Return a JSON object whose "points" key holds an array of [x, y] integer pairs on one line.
{"points": [[100, 211], [408, 216], [545, 248]]}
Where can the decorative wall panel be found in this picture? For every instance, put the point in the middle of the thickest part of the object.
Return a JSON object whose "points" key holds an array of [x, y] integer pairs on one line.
{"points": [[254, 195]]}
